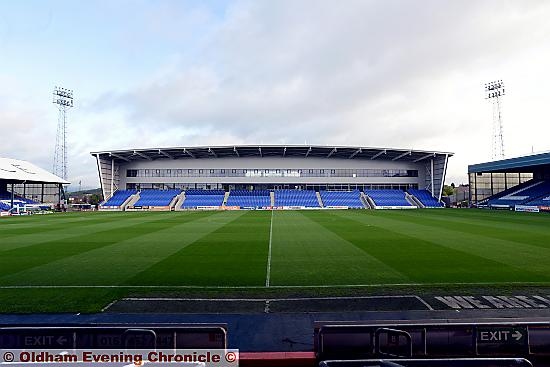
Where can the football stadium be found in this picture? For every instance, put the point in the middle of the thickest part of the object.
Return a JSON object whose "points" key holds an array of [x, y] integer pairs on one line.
{"points": [[229, 233], [264, 177], [167, 231]]}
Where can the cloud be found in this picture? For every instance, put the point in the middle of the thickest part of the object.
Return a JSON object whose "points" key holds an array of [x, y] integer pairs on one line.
{"points": [[393, 73]]}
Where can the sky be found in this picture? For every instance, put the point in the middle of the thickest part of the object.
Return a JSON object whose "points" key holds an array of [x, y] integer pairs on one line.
{"points": [[401, 74]]}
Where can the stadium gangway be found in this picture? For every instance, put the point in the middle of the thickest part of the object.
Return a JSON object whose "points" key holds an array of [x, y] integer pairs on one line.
{"points": [[111, 336], [434, 339]]}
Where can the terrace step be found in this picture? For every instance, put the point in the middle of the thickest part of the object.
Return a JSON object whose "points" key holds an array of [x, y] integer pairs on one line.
{"points": [[130, 201], [414, 201], [178, 200], [365, 201], [319, 199]]}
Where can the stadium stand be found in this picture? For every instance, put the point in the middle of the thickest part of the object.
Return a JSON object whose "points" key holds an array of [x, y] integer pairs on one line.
{"points": [[249, 199], [529, 192], [426, 198], [388, 198], [298, 198], [5, 196], [119, 198], [350, 199], [197, 198], [545, 200], [508, 191], [156, 197]]}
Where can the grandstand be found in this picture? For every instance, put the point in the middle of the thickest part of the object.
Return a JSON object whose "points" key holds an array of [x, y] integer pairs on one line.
{"points": [[23, 184], [249, 198], [530, 192], [521, 183], [203, 199], [156, 197], [118, 198], [425, 197], [265, 176], [350, 199], [389, 198], [296, 198], [267, 199]]}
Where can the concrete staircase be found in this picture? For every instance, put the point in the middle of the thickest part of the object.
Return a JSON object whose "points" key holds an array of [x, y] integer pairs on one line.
{"points": [[272, 198], [369, 201], [225, 197], [319, 199], [365, 201], [414, 201], [130, 201], [179, 201]]}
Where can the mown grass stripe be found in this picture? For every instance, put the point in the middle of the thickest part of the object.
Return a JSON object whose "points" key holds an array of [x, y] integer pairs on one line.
{"points": [[75, 231], [233, 254], [535, 233], [58, 225], [118, 261], [305, 252], [516, 261], [19, 259], [268, 271], [322, 256]]}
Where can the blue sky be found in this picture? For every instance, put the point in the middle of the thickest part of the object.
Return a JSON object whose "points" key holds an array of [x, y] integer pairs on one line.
{"points": [[98, 46], [377, 73]]}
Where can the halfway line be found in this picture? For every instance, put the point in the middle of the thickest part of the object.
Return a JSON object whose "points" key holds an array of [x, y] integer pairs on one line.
{"points": [[268, 273]]}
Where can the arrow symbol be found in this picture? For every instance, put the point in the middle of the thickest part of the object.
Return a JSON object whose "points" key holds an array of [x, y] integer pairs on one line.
{"points": [[517, 335], [63, 340]]}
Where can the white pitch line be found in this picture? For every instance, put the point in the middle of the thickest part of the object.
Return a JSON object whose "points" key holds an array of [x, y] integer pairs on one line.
{"points": [[378, 285], [108, 306], [268, 272], [421, 300], [335, 298], [266, 301]]}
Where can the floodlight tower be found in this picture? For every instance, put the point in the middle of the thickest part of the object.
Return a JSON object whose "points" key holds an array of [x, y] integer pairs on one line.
{"points": [[494, 92], [63, 98]]}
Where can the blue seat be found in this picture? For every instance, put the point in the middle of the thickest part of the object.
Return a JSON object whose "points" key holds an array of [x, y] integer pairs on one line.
{"points": [[249, 198], [119, 197], [388, 197], [425, 198], [18, 200], [305, 198], [532, 192], [196, 198], [351, 199], [544, 201], [156, 197]]}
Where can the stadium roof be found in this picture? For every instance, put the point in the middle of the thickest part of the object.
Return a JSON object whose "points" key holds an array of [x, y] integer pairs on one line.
{"points": [[518, 164], [237, 151], [14, 170]]}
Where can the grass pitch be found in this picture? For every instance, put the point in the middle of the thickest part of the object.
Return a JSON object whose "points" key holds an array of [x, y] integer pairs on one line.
{"points": [[81, 262]]}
